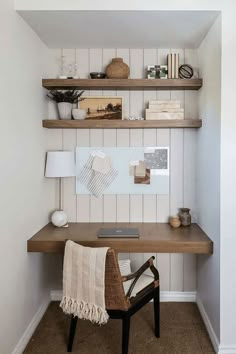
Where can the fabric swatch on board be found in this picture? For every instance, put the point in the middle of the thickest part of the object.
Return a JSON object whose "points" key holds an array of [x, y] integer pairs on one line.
{"points": [[96, 182], [143, 180], [102, 164], [140, 169], [157, 160]]}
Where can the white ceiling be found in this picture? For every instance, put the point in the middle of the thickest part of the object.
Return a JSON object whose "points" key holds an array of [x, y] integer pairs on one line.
{"points": [[120, 29]]}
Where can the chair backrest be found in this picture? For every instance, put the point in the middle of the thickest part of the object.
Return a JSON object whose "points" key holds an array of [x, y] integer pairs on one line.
{"points": [[115, 298]]}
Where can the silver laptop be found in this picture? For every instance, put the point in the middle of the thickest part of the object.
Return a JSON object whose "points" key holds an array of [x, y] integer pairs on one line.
{"points": [[118, 232]]}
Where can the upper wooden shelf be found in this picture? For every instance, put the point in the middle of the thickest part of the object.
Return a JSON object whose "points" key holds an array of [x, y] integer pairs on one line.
{"points": [[121, 124], [123, 84], [154, 237]]}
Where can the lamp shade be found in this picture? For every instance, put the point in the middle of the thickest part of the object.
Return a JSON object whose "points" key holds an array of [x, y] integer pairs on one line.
{"points": [[60, 164]]}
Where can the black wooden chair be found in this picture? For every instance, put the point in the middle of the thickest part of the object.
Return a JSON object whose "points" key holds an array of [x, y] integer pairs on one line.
{"points": [[122, 306]]}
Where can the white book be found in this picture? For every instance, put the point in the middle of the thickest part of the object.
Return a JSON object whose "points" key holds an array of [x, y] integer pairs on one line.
{"points": [[170, 110], [172, 66], [164, 106], [163, 115], [169, 66], [165, 102], [176, 66]]}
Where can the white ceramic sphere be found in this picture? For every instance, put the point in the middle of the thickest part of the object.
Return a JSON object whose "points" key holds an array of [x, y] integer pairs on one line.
{"points": [[59, 218]]}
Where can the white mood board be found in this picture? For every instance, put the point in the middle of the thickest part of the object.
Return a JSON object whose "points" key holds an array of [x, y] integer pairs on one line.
{"points": [[122, 158]]}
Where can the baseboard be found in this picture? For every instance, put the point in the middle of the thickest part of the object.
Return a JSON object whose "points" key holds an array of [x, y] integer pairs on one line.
{"points": [[56, 295], [24, 340], [227, 349], [166, 296], [210, 330], [178, 296]]}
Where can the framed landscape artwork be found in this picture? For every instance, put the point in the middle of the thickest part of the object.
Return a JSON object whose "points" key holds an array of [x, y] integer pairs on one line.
{"points": [[102, 107]]}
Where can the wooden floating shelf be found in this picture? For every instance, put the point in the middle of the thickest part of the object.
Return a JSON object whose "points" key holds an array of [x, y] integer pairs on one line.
{"points": [[123, 84], [121, 124]]}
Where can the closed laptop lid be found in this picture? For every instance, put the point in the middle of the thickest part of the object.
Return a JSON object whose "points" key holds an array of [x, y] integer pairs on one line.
{"points": [[118, 232]]}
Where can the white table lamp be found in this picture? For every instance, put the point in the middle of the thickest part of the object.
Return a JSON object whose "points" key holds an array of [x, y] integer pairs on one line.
{"points": [[60, 164]]}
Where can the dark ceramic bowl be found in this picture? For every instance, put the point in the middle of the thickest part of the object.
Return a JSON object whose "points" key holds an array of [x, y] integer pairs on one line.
{"points": [[97, 75]]}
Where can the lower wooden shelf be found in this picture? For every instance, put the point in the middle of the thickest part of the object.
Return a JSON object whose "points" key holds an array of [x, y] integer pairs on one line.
{"points": [[121, 124], [154, 237]]}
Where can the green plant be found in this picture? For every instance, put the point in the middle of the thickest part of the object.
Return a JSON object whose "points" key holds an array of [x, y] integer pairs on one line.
{"points": [[71, 96]]}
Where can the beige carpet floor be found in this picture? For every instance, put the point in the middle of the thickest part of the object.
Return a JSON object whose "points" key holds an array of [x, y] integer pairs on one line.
{"points": [[182, 332]]}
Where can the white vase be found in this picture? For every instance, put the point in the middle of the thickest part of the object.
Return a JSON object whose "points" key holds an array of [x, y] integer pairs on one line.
{"points": [[79, 113], [64, 109]]}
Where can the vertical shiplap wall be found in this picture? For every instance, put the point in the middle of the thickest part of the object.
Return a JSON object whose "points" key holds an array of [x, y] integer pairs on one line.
{"points": [[178, 271]]}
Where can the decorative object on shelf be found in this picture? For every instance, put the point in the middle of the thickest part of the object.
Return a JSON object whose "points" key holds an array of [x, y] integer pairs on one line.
{"points": [[65, 101], [117, 69], [69, 71], [102, 107], [64, 109], [173, 65], [97, 75], [76, 74], [185, 216], [157, 72], [134, 118], [168, 109], [60, 164], [175, 221], [161, 72], [79, 113], [186, 71], [62, 74], [151, 72]]}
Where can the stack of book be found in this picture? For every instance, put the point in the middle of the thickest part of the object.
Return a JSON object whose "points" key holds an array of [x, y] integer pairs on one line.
{"points": [[173, 65], [164, 110]]}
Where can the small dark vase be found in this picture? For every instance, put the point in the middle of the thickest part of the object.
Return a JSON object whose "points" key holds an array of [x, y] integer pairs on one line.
{"points": [[185, 216]]}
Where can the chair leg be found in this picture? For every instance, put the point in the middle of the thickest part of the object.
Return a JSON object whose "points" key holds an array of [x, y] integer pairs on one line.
{"points": [[125, 334], [157, 312], [73, 324]]}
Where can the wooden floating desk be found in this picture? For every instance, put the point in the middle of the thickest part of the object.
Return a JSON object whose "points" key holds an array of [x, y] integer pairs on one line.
{"points": [[154, 237]]}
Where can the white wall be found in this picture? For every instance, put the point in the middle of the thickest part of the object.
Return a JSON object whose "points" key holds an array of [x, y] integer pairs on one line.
{"points": [[208, 171], [26, 197]]}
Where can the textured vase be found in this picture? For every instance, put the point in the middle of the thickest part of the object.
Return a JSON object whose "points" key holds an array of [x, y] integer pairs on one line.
{"points": [[64, 109], [117, 69], [79, 113], [185, 216]]}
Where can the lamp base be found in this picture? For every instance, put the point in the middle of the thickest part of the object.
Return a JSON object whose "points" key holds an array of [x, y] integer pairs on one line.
{"points": [[59, 218]]}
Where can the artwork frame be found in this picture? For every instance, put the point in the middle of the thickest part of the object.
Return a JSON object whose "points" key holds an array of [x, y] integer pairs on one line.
{"points": [[96, 107]]}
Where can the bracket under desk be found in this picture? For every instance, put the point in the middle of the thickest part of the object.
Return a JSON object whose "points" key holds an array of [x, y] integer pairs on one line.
{"points": [[154, 237]]}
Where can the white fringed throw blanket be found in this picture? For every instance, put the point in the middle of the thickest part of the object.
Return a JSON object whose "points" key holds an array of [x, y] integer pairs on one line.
{"points": [[84, 282]]}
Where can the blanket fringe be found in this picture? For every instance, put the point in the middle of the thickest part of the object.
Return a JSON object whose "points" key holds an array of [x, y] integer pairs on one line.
{"points": [[83, 310]]}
